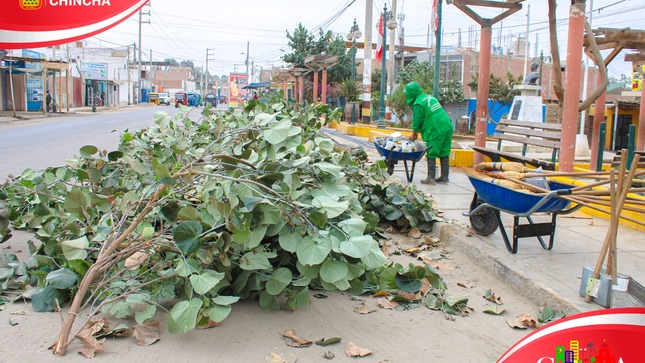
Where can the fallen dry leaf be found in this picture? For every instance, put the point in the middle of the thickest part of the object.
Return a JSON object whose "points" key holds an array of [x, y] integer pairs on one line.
{"points": [[386, 304], [135, 260], [275, 358], [147, 333], [391, 230], [432, 241], [210, 324], [415, 233], [381, 293], [522, 322], [329, 355], [91, 346], [465, 285], [425, 287], [295, 341], [410, 296], [490, 296], [384, 248], [353, 350], [436, 264], [362, 309]]}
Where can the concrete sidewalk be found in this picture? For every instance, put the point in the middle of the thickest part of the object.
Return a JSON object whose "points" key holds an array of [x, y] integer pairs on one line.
{"points": [[545, 277]]}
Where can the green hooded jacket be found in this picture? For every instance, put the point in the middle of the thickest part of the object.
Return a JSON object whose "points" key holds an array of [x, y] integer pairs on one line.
{"points": [[428, 117]]}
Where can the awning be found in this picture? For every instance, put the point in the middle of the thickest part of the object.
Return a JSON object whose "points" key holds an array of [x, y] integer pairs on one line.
{"points": [[257, 85]]}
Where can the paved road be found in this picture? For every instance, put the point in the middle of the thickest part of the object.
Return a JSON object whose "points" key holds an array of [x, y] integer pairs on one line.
{"points": [[40, 143]]}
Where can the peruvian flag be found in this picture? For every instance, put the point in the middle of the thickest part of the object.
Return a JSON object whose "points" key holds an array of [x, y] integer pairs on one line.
{"points": [[379, 44], [435, 17]]}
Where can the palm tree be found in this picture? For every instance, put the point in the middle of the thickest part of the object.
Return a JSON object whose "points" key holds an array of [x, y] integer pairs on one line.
{"points": [[350, 91]]}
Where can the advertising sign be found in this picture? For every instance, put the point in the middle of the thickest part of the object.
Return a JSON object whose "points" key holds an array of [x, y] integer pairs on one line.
{"points": [[235, 92], [612, 336], [32, 54], [97, 71], [637, 80], [41, 23]]}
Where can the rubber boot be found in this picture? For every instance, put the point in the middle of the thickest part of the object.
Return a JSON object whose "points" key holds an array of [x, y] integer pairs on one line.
{"points": [[432, 170], [445, 170]]}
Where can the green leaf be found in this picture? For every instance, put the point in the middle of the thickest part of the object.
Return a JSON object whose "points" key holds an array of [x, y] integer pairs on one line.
{"points": [[280, 278], [170, 211], [218, 313], [186, 236], [278, 132], [407, 283], [326, 146], [205, 281], [433, 302], [299, 299], [76, 202], [311, 252], [250, 239], [497, 311], [354, 227], [357, 247], [332, 207], [289, 240], [188, 214], [183, 316], [61, 278], [374, 258], [225, 300], [254, 261], [75, 249], [45, 300], [435, 279], [88, 150], [268, 301], [330, 168], [333, 270], [145, 314]]}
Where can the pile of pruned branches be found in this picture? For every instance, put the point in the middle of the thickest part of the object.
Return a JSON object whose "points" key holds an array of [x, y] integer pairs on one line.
{"points": [[191, 216]]}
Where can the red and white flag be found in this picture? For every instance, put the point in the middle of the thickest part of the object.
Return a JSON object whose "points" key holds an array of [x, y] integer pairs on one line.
{"points": [[435, 17], [379, 44]]}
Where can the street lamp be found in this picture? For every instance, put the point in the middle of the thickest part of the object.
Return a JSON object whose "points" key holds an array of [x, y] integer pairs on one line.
{"points": [[353, 35], [391, 25]]}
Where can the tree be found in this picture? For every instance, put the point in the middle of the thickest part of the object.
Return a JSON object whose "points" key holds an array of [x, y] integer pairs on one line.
{"points": [[303, 44], [172, 61], [187, 63], [450, 90], [500, 91]]}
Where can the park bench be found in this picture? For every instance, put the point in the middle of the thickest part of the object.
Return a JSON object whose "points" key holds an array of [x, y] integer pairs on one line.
{"points": [[616, 161], [525, 133]]}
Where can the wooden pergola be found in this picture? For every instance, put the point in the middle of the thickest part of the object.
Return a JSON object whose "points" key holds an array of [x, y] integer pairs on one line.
{"points": [[317, 63], [618, 40]]}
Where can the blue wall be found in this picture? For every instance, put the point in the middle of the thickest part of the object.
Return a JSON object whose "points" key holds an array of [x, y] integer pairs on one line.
{"points": [[496, 110]]}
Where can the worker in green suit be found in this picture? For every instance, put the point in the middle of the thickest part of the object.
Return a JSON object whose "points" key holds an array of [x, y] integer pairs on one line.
{"points": [[432, 122]]}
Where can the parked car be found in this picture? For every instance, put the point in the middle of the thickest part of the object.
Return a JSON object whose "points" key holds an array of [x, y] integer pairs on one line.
{"points": [[164, 98], [194, 99], [181, 98], [211, 98], [153, 97]]}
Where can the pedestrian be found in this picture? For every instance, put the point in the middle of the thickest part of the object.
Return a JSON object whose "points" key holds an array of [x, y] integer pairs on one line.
{"points": [[48, 101], [432, 122], [102, 98]]}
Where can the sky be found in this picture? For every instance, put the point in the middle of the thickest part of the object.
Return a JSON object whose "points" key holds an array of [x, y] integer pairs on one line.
{"points": [[191, 29]]}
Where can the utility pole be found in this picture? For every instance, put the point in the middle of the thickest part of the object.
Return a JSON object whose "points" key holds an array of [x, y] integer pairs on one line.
{"points": [[128, 68], [367, 64], [247, 62], [139, 91], [437, 50], [526, 46], [205, 84], [390, 76], [151, 76]]}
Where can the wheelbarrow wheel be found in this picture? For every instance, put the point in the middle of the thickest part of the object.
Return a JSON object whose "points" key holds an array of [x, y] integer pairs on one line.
{"points": [[484, 221]]}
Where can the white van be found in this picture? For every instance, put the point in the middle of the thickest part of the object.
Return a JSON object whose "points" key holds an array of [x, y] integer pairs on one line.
{"points": [[164, 98]]}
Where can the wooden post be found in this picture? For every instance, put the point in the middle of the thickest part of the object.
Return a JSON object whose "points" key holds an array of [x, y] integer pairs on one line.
{"points": [[483, 89]]}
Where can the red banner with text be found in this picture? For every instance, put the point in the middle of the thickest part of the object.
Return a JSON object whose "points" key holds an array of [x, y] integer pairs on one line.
{"points": [[40, 23]]}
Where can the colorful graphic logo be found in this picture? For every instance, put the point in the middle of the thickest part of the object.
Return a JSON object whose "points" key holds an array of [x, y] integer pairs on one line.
{"points": [[30, 4], [59, 21], [603, 336]]}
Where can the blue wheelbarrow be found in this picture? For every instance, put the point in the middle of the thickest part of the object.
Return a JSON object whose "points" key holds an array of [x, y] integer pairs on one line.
{"points": [[392, 157], [490, 199]]}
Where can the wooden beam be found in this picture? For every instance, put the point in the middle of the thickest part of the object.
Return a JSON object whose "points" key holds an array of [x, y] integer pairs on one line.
{"points": [[481, 21], [635, 57], [493, 4], [612, 55]]}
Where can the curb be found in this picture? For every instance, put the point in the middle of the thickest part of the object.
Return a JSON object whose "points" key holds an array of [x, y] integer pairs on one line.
{"points": [[511, 271]]}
